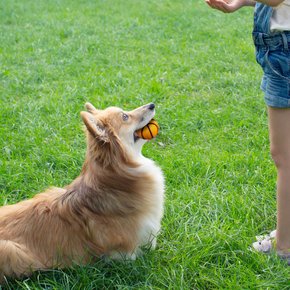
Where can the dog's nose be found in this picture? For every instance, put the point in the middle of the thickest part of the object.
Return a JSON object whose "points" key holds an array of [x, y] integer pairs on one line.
{"points": [[151, 106]]}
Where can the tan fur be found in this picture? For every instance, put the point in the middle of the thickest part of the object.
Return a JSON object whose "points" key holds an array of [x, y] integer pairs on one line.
{"points": [[112, 208]]}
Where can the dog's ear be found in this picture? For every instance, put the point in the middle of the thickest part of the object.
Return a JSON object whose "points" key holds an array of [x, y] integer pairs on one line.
{"points": [[95, 127], [91, 109]]}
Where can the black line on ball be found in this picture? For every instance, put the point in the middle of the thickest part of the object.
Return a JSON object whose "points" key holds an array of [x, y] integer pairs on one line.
{"points": [[142, 133], [150, 131], [157, 128]]}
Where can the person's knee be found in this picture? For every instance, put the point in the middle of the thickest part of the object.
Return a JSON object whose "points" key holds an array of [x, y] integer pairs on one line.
{"points": [[280, 157]]}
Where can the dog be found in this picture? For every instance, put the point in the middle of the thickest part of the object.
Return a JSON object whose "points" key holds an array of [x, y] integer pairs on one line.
{"points": [[112, 209]]}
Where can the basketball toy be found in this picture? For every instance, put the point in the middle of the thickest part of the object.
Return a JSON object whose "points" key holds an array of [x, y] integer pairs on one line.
{"points": [[149, 131]]}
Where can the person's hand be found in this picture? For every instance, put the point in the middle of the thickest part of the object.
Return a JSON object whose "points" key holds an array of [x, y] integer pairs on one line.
{"points": [[226, 6]]}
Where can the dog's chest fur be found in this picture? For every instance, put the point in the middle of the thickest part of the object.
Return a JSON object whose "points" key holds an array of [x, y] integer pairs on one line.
{"points": [[150, 222]]}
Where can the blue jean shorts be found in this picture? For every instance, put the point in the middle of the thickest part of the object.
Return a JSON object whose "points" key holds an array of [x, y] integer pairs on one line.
{"points": [[273, 54]]}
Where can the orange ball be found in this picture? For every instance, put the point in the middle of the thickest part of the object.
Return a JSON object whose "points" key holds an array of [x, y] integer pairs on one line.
{"points": [[149, 131]]}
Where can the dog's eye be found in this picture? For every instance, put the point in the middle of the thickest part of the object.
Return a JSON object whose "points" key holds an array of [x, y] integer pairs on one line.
{"points": [[125, 117]]}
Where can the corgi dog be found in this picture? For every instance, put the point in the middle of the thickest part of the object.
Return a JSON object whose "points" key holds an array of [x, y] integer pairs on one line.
{"points": [[111, 209]]}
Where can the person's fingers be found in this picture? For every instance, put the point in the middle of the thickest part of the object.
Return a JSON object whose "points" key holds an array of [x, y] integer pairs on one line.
{"points": [[219, 5], [224, 6], [209, 3]]}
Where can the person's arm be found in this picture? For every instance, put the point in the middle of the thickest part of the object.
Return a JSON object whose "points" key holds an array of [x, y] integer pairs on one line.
{"points": [[229, 6]]}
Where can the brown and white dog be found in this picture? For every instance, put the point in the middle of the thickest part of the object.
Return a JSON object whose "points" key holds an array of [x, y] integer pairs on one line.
{"points": [[111, 209]]}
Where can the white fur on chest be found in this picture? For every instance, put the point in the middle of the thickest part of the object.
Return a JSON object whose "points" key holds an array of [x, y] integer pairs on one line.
{"points": [[150, 223]]}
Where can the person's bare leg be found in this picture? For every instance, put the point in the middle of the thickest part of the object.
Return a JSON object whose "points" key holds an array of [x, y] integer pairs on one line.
{"points": [[279, 128]]}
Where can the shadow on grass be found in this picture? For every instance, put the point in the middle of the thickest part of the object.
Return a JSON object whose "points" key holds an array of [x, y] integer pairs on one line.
{"points": [[99, 275]]}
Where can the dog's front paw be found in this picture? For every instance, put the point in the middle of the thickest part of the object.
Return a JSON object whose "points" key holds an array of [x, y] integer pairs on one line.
{"points": [[121, 256]]}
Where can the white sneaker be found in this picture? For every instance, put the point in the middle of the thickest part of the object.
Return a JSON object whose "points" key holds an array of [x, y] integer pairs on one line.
{"points": [[264, 245]]}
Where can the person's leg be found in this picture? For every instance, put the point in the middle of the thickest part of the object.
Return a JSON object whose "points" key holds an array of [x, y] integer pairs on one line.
{"points": [[279, 128]]}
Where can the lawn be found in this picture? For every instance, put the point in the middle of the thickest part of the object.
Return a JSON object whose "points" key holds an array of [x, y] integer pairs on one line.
{"points": [[198, 66]]}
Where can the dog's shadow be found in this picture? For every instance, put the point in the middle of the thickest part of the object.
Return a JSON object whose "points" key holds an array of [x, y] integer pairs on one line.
{"points": [[101, 274]]}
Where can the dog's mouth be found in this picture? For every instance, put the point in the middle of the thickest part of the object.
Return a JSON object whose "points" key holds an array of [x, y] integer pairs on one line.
{"points": [[137, 135], [148, 114]]}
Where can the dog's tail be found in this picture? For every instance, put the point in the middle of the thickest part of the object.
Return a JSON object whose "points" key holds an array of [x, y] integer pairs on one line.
{"points": [[16, 260]]}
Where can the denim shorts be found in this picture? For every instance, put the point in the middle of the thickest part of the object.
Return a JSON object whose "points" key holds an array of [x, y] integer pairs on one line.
{"points": [[273, 54]]}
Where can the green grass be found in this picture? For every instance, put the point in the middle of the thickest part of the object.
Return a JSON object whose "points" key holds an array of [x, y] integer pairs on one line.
{"points": [[198, 66]]}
